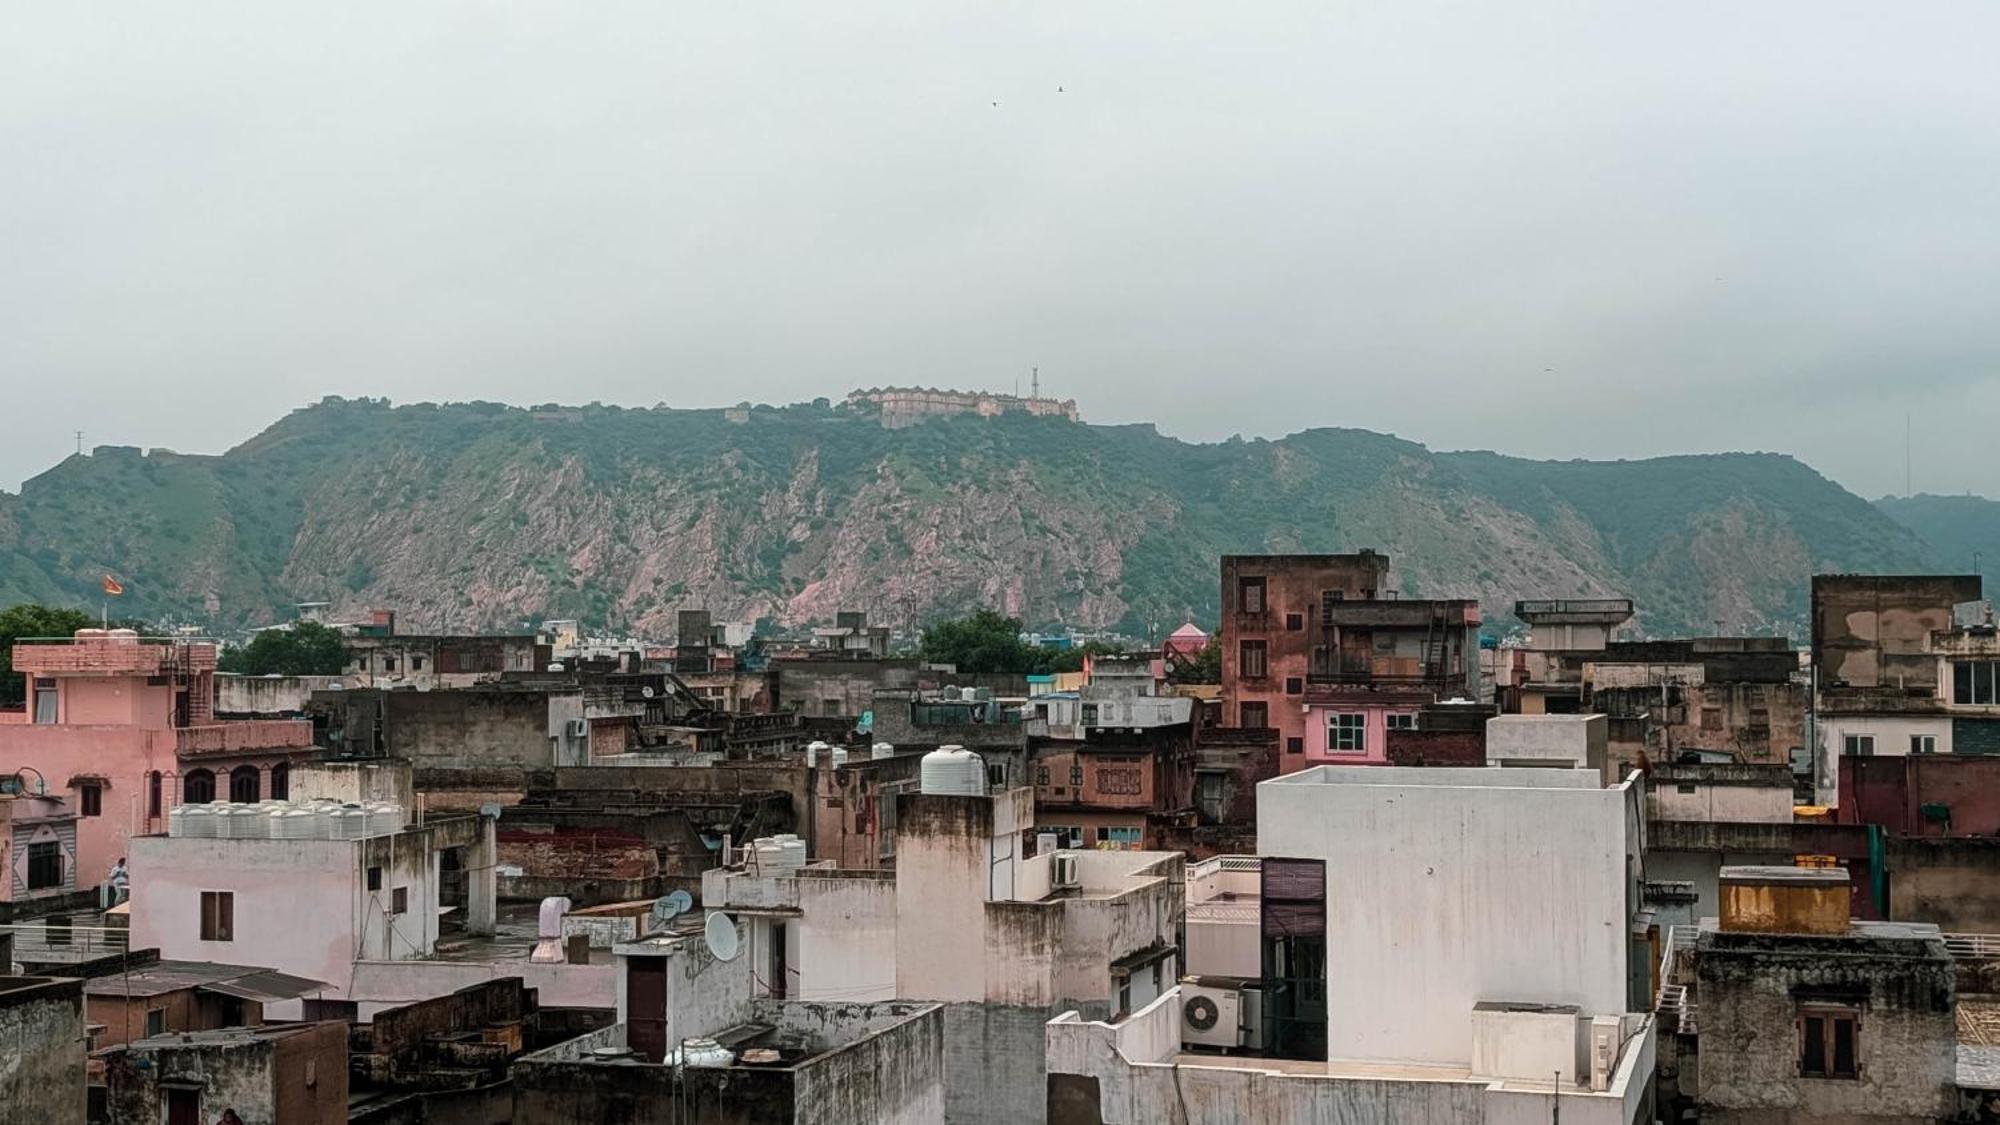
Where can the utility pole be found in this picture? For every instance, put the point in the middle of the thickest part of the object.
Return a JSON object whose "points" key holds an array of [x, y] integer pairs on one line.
{"points": [[79, 443]]}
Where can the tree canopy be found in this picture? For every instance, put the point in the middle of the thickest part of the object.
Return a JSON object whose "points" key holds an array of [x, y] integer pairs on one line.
{"points": [[987, 641], [30, 620], [304, 649]]}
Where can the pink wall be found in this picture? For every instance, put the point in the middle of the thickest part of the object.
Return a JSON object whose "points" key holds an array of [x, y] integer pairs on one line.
{"points": [[112, 701], [1318, 740]]}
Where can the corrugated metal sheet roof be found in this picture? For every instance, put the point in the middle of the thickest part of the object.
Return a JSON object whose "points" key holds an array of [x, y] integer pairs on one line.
{"points": [[162, 977]]}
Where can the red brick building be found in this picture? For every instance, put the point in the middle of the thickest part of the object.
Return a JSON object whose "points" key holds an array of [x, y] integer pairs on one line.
{"points": [[1312, 648]]}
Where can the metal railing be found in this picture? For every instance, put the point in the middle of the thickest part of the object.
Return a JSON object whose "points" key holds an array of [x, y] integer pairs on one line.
{"points": [[52, 940], [1676, 1010], [1973, 947]]}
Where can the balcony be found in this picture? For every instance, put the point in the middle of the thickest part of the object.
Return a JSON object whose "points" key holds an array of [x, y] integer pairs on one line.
{"points": [[244, 737]]}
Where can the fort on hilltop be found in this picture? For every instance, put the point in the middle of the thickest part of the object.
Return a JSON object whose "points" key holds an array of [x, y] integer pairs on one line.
{"points": [[906, 406]]}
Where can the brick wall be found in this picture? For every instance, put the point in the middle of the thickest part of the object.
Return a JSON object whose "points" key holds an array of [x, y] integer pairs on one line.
{"points": [[1436, 748]]}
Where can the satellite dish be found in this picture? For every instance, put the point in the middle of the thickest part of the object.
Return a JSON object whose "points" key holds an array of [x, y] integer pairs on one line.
{"points": [[490, 809], [647, 691], [720, 933], [670, 906]]}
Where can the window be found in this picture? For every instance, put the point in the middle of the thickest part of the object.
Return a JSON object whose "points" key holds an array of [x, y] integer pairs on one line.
{"points": [[1041, 775], [1294, 685], [416, 663], [198, 787], [90, 799], [1252, 660], [1406, 720], [1347, 734], [1089, 714], [1126, 839], [244, 785], [1711, 718], [1250, 595], [45, 701], [1687, 788], [44, 865], [153, 793], [281, 782], [1294, 622], [1076, 775], [1067, 836], [1858, 745], [388, 663], [1253, 715], [218, 916], [399, 900], [374, 878], [1828, 1042], [1295, 745], [1923, 744], [156, 1022], [1975, 682], [829, 706]]}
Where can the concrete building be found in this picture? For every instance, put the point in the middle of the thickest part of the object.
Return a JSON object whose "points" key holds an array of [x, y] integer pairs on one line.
{"points": [[378, 656], [122, 730], [749, 1059], [315, 908], [1118, 762], [1560, 741], [852, 638], [1002, 938], [1313, 649], [281, 1075], [42, 1063], [468, 746], [1902, 665], [1781, 1010], [1379, 969], [38, 852]]}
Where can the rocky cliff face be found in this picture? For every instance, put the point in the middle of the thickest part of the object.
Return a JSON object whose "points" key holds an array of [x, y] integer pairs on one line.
{"points": [[481, 516]]}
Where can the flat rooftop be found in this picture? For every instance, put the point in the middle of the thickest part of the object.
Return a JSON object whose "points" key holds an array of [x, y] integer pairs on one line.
{"points": [[1443, 777]]}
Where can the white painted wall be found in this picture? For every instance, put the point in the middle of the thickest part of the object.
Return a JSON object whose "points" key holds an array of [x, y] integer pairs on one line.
{"points": [[1573, 740], [296, 903], [1447, 887], [1754, 804]]}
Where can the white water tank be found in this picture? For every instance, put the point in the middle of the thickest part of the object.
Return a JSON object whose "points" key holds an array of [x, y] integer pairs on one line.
{"points": [[952, 770], [237, 822], [384, 818], [882, 750], [768, 856], [813, 750], [839, 756], [295, 823], [791, 852], [348, 822]]}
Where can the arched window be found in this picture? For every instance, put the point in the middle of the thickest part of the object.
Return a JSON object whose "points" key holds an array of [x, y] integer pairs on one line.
{"points": [[198, 787], [281, 782], [245, 788]]}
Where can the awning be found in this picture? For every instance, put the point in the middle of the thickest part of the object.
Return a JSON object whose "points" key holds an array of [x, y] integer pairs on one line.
{"points": [[266, 987], [81, 779]]}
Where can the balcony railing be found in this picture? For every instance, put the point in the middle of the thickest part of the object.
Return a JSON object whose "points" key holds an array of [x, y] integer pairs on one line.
{"points": [[53, 940], [1973, 947]]}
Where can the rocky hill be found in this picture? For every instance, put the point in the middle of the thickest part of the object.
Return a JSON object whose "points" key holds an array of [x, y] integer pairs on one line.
{"points": [[479, 515], [1962, 529]]}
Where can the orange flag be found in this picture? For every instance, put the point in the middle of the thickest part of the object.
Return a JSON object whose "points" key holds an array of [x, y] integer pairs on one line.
{"points": [[112, 586]]}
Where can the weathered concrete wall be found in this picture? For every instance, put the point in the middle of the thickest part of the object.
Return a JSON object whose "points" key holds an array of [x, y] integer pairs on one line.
{"points": [[297, 1077], [41, 1050], [893, 1075], [1874, 630], [994, 1064], [1749, 991], [1720, 792], [267, 696]]}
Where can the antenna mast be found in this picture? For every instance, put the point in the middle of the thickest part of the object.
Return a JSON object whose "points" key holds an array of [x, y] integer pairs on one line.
{"points": [[1036, 384]]}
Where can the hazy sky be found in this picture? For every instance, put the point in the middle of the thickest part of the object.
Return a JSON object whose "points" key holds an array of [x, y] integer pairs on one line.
{"points": [[1553, 229]]}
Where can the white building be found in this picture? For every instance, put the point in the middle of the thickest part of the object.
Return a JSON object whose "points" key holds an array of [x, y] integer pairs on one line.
{"points": [[1471, 931], [316, 907], [1002, 938]]}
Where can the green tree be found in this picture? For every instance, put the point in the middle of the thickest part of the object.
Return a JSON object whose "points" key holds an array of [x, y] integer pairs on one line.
{"points": [[1205, 668], [982, 642], [304, 649], [30, 620]]}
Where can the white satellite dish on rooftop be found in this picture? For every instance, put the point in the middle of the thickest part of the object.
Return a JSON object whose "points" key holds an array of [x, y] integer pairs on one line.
{"points": [[720, 932]]}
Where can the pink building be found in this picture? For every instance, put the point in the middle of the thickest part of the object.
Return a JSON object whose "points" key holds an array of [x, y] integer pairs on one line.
{"points": [[121, 729]]}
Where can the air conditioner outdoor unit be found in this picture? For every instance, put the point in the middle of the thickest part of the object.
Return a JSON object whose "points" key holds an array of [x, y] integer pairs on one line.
{"points": [[1211, 1015], [1064, 872], [1605, 1039], [579, 728]]}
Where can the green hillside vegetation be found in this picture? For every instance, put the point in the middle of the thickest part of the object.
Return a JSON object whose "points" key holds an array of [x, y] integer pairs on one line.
{"points": [[479, 515], [1963, 530]]}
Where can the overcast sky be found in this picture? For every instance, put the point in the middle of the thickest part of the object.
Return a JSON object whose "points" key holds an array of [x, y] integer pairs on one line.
{"points": [[1553, 229]]}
